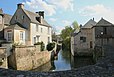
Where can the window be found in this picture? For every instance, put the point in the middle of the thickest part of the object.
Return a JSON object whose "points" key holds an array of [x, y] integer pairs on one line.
{"points": [[34, 40], [104, 30], [9, 36], [41, 30], [83, 39], [37, 38], [21, 35], [36, 28], [48, 30], [48, 39]]}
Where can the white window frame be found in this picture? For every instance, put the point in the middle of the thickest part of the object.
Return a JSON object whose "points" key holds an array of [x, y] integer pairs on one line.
{"points": [[21, 35], [37, 38], [48, 39], [34, 40]]}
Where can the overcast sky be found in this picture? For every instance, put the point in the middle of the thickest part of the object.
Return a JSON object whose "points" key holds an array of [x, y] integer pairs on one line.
{"points": [[60, 13]]}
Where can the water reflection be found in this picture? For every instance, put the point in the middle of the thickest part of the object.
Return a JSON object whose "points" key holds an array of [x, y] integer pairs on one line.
{"points": [[77, 62], [45, 67], [64, 61]]}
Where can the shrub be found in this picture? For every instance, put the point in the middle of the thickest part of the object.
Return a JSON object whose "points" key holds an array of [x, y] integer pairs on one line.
{"points": [[50, 46], [42, 45]]}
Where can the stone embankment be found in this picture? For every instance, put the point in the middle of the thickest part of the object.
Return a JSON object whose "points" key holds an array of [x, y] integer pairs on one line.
{"points": [[27, 58], [103, 68]]}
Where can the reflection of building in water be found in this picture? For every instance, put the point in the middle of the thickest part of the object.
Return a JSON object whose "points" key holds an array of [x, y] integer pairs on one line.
{"points": [[77, 62], [45, 67]]}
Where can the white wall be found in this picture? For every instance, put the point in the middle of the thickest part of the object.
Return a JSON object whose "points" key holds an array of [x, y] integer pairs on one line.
{"points": [[43, 36]]}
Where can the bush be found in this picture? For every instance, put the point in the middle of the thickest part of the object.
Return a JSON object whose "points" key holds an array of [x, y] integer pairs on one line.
{"points": [[50, 46], [42, 45]]}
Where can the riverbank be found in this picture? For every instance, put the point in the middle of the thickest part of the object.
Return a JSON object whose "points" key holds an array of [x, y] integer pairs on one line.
{"points": [[104, 68]]}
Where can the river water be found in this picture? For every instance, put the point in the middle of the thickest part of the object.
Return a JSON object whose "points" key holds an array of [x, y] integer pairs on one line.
{"points": [[65, 61]]}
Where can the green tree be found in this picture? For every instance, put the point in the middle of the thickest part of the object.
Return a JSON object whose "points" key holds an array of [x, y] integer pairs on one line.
{"points": [[65, 33], [66, 36], [75, 25]]}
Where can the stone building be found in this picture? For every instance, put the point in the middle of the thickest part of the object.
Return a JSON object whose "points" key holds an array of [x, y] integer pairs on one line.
{"points": [[92, 34], [28, 28], [4, 22], [103, 33], [82, 40]]}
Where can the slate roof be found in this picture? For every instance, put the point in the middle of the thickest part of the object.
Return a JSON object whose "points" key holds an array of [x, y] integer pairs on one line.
{"points": [[7, 19], [89, 24], [104, 22], [33, 16], [16, 26]]}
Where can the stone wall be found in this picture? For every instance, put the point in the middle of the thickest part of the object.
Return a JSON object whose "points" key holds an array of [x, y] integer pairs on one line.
{"points": [[3, 58], [27, 58], [8, 47]]}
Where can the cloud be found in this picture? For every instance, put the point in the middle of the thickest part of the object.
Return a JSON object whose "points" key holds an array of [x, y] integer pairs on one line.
{"points": [[66, 22], [52, 19], [58, 29], [49, 6], [36, 5], [64, 4], [97, 11]]}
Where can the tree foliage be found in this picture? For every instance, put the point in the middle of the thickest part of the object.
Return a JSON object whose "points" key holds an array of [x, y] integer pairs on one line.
{"points": [[50, 46], [42, 45], [66, 35], [75, 25]]}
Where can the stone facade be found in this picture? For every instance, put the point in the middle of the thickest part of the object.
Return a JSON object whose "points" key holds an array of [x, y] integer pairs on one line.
{"points": [[103, 33], [3, 58], [27, 58], [92, 34], [37, 29], [82, 41]]}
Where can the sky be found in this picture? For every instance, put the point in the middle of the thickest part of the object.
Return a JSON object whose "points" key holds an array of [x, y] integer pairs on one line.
{"points": [[61, 13]]}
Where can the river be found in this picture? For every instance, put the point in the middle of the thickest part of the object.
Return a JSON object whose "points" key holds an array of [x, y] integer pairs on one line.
{"points": [[65, 61]]}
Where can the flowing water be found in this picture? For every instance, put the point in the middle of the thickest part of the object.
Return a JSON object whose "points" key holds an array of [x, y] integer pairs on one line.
{"points": [[65, 61]]}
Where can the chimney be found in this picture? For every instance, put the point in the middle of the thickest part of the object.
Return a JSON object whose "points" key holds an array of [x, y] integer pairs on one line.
{"points": [[93, 19], [41, 13], [80, 25], [20, 6]]}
